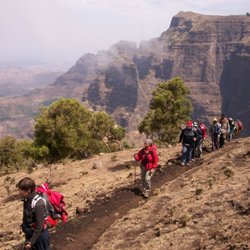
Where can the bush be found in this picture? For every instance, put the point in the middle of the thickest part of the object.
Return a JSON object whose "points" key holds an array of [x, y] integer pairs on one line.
{"points": [[198, 191], [63, 128], [66, 129], [15, 154], [228, 172]]}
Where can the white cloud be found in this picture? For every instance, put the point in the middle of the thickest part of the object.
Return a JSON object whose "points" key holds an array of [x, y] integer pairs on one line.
{"points": [[65, 29]]}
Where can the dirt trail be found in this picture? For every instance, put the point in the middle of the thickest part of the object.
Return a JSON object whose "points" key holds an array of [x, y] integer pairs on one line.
{"points": [[84, 231], [205, 208]]}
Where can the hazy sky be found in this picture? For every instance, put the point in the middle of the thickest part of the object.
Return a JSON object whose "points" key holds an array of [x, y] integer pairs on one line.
{"points": [[63, 30]]}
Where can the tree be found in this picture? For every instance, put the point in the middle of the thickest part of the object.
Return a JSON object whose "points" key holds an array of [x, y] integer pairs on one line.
{"points": [[169, 107], [63, 128], [8, 152], [16, 153], [66, 129], [105, 129]]}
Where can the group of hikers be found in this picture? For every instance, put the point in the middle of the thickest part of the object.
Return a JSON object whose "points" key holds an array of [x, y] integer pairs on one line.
{"points": [[194, 134], [191, 138], [40, 203]]}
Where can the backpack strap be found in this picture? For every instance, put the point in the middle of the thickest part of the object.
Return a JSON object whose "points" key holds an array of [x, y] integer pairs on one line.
{"points": [[44, 187], [35, 200]]}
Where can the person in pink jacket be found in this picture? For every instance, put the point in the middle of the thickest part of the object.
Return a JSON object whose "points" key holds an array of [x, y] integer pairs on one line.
{"points": [[149, 161]]}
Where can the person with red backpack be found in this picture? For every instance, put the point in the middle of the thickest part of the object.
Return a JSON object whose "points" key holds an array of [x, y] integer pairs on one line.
{"points": [[238, 128], [33, 226], [188, 138], [149, 161]]}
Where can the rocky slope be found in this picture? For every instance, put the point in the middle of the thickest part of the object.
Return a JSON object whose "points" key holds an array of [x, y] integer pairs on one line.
{"points": [[211, 53]]}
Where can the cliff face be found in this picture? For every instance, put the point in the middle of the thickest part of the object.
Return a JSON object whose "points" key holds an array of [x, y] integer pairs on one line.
{"points": [[203, 49], [235, 85], [211, 54]]}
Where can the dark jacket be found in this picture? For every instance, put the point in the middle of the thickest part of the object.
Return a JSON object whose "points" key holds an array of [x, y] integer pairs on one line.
{"points": [[199, 134], [33, 220], [188, 136], [232, 126]]}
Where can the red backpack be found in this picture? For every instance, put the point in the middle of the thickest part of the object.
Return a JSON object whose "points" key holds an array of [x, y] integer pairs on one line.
{"points": [[204, 130], [239, 124], [54, 202], [153, 149]]}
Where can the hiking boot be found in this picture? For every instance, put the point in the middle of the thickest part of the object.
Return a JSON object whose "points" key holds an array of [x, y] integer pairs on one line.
{"points": [[146, 195], [183, 164], [187, 164]]}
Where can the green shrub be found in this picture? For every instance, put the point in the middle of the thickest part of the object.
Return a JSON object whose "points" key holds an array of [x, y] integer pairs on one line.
{"points": [[169, 107]]}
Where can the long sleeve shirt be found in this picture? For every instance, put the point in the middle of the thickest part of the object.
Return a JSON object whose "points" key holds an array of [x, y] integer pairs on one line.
{"points": [[33, 218]]}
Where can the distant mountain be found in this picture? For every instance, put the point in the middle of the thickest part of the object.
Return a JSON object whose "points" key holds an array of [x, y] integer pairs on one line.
{"points": [[19, 79], [211, 53]]}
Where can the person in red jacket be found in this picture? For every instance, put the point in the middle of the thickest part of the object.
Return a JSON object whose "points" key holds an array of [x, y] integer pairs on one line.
{"points": [[149, 161]]}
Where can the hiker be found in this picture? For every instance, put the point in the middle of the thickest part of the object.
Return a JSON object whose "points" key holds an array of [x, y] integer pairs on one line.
{"points": [[188, 139], [215, 131], [149, 161], [201, 135], [232, 128], [238, 128], [194, 152], [224, 130], [33, 226], [203, 129]]}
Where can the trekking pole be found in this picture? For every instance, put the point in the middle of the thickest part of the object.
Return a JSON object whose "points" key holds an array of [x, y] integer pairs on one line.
{"points": [[134, 176]]}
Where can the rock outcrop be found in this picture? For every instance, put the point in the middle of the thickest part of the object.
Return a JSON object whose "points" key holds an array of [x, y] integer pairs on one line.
{"points": [[211, 53]]}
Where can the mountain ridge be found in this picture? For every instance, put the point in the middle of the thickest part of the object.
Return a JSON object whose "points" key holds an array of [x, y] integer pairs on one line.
{"points": [[202, 49]]}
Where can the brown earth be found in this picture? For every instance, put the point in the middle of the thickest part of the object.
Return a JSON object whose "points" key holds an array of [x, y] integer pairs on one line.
{"points": [[206, 206], [79, 181]]}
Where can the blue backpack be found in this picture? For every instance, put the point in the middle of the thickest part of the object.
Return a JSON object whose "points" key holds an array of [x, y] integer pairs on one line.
{"points": [[217, 128], [199, 134]]}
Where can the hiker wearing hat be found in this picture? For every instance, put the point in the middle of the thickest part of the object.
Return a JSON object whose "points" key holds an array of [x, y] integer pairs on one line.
{"points": [[224, 130], [149, 161], [199, 141], [232, 128], [215, 131], [187, 138]]}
